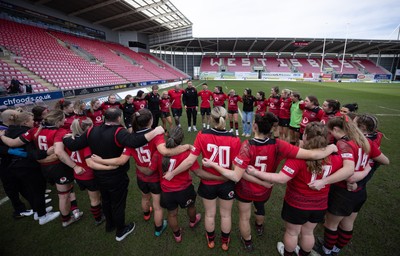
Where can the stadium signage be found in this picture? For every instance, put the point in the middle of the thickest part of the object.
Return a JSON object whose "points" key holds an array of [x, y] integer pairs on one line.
{"points": [[85, 91], [383, 77], [300, 44], [345, 76], [22, 99]]}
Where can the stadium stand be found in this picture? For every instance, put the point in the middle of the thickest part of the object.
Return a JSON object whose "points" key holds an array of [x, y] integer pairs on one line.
{"points": [[70, 62], [7, 72], [302, 65], [369, 67]]}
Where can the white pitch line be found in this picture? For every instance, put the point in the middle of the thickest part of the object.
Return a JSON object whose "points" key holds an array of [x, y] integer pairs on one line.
{"points": [[390, 108], [5, 199]]}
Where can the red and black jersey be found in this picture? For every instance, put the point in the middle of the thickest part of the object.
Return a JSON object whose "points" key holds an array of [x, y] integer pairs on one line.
{"points": [[143, 157], [165, 103], [310, 115], [106, 105], [298, 194], [219, 99], [139, 104], [45, 139], [68, 121], [284, 110], [206, 96], [180, 181], [349, 150], [274, 104], [96, 116], [233, 102], [264, 155], [176, 98], [219, 146], [261, 106], [79, 158], [326, 116]]}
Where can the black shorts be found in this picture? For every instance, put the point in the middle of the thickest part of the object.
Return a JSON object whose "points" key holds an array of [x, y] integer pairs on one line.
{"points": [[165, 114], [284, 122], [301, 136], [299, 217], [58, 173], [342, 202], [225, 191], [205, 111], [294, 128], [184, 198], [176, 112], [90, 185], [258, 205], [233, 112], [149, 187]]}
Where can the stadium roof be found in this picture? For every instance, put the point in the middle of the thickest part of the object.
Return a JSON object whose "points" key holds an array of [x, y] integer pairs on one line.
{"points": [[281, 45], [145, 16]]}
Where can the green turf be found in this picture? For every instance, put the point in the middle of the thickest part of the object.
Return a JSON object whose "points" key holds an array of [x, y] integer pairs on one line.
{"points": [[376, 230]]}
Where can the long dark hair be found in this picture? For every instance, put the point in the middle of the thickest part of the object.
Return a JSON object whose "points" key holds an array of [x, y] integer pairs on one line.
{"points": [[175, 138], [141, 119], [265, 121]]}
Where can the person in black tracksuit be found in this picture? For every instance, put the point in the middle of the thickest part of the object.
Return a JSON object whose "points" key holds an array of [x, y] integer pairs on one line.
{"points": [[108, 141], [153, 103], [128, 109], [191, 101], [20, 173]]}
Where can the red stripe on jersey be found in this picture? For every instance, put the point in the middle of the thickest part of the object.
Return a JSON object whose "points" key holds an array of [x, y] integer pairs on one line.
{"points": [[261, 106]]}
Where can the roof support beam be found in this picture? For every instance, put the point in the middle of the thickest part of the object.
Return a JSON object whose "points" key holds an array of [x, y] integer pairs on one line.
{"points": [[269, 46], [234, 46], [356, 46], [93, 7], [251, 46], [286, 46], [201, 47], [144, 21], [133, 11]]}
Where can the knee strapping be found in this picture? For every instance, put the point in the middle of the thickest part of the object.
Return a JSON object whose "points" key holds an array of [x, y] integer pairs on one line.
{"points": [[69, 191]]}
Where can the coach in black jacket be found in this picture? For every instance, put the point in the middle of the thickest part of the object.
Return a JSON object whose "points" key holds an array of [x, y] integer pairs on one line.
{"points": [[191, 101], [108, 141], [153, 103]]}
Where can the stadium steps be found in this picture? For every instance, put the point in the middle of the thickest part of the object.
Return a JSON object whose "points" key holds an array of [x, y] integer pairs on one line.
{"points": [[30, 74]]}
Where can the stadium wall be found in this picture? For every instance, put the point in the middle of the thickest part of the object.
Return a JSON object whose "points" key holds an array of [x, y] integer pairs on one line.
{"points": [[110, 35], [186, 63], [126, 36]]}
